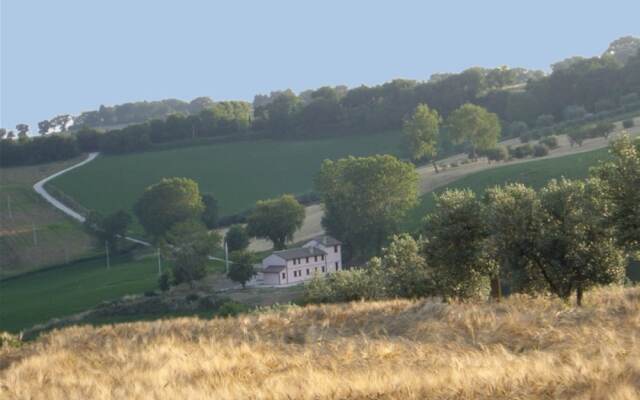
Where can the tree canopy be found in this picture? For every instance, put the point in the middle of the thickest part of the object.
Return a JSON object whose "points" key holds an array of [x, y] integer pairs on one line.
{"points": [[421, 131], [365, 199], [167, 203], [475, 126], [276, 219]]}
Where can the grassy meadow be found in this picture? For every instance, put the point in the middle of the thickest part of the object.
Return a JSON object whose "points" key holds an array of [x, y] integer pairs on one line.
{"points": [[56, 292], [533, 173], [522, 348], [237, 174]]}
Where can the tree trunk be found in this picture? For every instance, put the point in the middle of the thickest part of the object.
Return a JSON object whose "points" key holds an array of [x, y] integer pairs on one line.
{"points": [[496, 288], [435, 166], [579, 296]]}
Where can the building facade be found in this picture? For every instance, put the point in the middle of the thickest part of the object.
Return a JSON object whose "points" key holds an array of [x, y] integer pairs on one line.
{"points": [[320, 255]]}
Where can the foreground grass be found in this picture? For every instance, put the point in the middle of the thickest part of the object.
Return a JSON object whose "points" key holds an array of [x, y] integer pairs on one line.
{"points": [[238, 174], [521, 349], [534, 173]]}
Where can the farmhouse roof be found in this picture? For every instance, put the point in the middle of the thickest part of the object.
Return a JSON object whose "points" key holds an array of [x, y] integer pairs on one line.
{"points": [[273, 269], [299, 252], [327, 240]]}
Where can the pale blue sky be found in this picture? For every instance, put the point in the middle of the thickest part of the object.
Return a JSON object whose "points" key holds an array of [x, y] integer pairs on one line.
{"points": [[68, 56]]}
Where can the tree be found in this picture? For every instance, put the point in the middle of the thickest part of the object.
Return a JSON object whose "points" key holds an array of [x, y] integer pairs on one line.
{"points": [[621, 186], [237, 238], [110, 229], [456, 237], [167, 203], [404, 268], [241, 269], [210, 214], [545, 120], [3, 133], [23, 130], [44, 127], [187, 245], [61, 121], [513, 217], [475, 126], [421, 132], [276, 220], [365, 199], [574, 248]]}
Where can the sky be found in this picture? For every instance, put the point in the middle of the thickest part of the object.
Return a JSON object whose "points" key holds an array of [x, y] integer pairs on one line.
{"points": [[69, 56]]}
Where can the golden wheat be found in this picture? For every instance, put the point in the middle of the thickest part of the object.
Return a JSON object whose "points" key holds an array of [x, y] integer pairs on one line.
{"points": [[522, 348]]}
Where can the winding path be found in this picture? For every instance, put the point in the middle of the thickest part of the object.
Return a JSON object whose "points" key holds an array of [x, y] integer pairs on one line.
{"points": [[39, 188]]}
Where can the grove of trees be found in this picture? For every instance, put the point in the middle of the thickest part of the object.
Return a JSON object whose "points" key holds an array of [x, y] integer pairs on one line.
{"points": [[563, 239]]}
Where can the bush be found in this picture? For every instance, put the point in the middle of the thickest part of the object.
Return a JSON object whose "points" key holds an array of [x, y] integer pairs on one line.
{"points": [[191, 297], [545, 120], [521, 151], [150, 293], [573, 112], [517, 128], [499, 153], [163, 282], [232, 308], [345, 285], [551, 142], [628, 123], [525, 137], [540, 150]]}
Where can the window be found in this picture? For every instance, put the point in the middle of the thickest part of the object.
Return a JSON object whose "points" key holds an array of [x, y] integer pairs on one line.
{"points": [[284, 275], [307, 259], [307, 271], [322, 269], [335, 249], [294, 261], [337, 266], [316, 258], [322, 258]]}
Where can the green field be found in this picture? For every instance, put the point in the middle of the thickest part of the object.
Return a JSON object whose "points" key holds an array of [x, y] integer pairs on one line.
{"points": [[534, 173], [237, 174], [57, 292]]}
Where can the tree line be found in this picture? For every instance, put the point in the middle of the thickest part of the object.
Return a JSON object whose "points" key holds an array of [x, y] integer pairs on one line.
{"points": [[562, 239], [577, 90]]}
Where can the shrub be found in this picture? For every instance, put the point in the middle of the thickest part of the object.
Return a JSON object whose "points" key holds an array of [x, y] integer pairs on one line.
{"points": [[525, 137], [551, 142], [150, 293], [540, 150], [232, 308], [9, 340], [454, 165], [545, 120], [577, 137], [345, 285], [630, 98], [521, 151], [191, 297], [499, 153], [163, 282], [517, 128], [574, 112], [628, 123]]}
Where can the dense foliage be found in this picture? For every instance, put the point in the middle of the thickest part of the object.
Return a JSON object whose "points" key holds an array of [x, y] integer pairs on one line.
{"points": [[276, 220], [364, 200]]}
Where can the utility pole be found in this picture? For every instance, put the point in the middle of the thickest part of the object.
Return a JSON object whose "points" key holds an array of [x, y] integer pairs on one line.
{"points": [[106, 249], [159, 261], [226, 257], [35, 234]]}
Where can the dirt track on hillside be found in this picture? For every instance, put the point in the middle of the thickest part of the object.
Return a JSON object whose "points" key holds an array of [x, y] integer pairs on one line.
{"points": [[430, 181]]}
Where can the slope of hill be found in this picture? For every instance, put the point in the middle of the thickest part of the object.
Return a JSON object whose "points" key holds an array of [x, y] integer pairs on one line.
{"points": [[238, 174], [57, 239], [523, 348]]}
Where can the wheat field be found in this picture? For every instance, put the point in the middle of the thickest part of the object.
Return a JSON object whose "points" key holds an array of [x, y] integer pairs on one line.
{"points": [[522, 348]]}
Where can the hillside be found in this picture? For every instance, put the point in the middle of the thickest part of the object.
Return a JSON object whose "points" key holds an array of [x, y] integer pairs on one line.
{"points": [[238, 174], [57, 238], [523, 348]]}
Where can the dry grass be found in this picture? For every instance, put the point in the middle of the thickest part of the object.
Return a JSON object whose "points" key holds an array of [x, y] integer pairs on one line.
{"points": [[521, 349]]}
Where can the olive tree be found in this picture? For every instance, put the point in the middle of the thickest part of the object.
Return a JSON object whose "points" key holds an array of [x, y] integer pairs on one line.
{"points": [[475, 127], [456, 245]]}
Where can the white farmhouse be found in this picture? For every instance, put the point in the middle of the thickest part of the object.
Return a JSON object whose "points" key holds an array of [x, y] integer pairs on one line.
{"points": [[320, 255]]}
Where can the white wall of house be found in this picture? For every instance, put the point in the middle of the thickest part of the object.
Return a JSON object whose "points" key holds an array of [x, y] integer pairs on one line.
{"points": [[272, 278], [334, 255]]}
